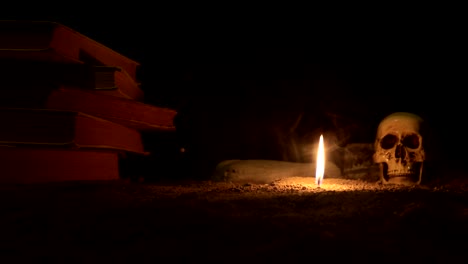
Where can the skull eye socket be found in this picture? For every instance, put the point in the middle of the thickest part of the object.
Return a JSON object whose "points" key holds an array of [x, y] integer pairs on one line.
{"points": [[411, 141], [388, 141]]}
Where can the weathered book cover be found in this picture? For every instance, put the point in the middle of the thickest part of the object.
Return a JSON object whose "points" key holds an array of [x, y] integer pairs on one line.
{"points": [[127, 112], [23, 165], [66, 129], [54, 42], [137, 115], [108, 80]]}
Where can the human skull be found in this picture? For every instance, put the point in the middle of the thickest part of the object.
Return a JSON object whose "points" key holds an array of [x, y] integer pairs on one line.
{"points": [[399, 149]]}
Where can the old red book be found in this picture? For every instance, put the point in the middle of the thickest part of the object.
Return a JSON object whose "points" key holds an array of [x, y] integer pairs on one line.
{"points": [[66, 129], [54, 42], [108, 80], [127, 112], [23, 165], [137, 115]]}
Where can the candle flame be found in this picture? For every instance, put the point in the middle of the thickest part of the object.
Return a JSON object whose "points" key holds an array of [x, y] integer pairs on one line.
{"points": [[320, 164]]}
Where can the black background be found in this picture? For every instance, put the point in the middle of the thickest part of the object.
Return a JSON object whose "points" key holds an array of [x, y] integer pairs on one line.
{"points": [[240, 77]]}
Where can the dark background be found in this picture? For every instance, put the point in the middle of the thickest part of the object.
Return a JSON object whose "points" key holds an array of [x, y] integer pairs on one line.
{"points": [[241, 80], [240, 77]]}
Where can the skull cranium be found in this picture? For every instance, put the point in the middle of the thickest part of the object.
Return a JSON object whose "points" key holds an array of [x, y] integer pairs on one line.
{"points": [[399, 149]]}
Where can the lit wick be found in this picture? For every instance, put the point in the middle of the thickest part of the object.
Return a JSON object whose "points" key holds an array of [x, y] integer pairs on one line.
{"points": [[320, 164]]}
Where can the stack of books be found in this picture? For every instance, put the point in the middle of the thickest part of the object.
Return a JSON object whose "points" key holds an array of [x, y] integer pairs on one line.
{"points": [[70, 107]]}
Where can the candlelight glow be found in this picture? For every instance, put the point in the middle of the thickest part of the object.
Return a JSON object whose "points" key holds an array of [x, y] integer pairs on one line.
{"points": [[320, 163]]}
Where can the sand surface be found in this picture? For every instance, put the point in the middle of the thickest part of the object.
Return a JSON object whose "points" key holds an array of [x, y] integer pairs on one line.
{"points": [[187, 221]]}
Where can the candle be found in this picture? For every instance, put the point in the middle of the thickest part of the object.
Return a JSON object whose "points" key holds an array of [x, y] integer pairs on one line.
{"points": [[320, 163]]}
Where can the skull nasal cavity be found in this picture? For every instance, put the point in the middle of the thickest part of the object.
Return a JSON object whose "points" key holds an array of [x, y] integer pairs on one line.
{"points": [[400, 153]]}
